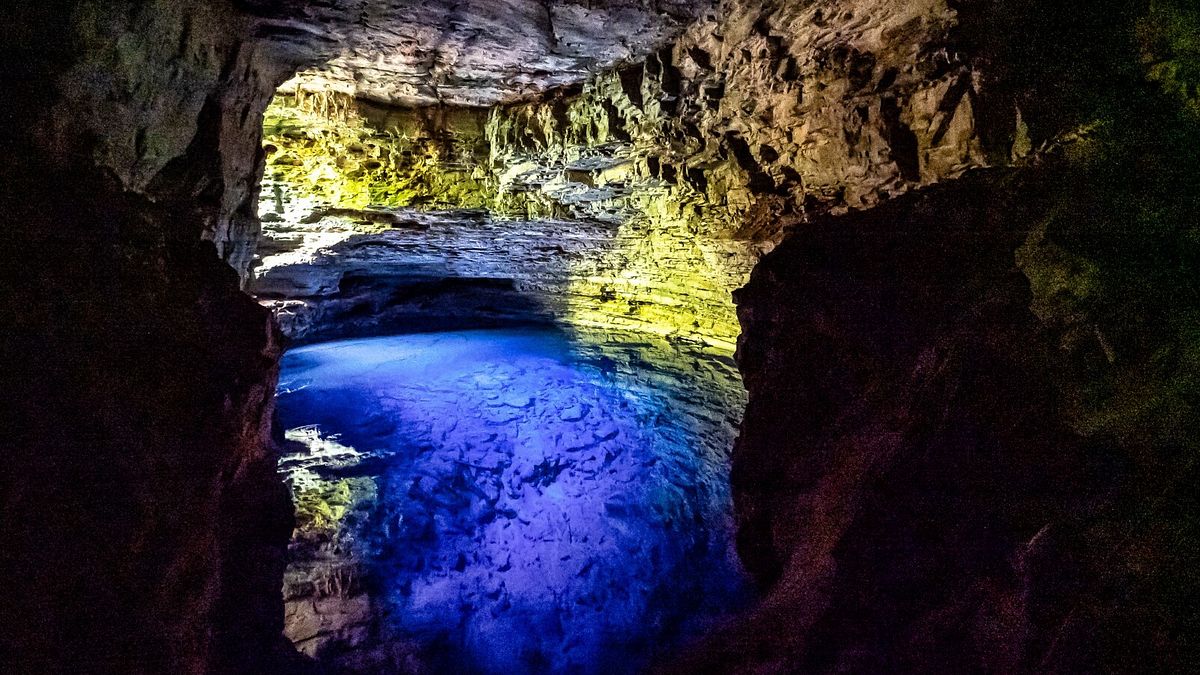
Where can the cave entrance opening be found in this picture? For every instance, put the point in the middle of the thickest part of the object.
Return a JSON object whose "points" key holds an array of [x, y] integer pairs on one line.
{"points": [[507, 438]]}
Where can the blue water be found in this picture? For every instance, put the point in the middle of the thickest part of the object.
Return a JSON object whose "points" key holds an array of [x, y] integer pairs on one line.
{"points": [[523, 500]]}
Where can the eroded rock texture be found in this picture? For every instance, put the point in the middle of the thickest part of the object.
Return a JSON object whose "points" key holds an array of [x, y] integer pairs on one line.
{"points": [[472, 53], [349, 154], [144, 524], [971, 421], [972, 413]]}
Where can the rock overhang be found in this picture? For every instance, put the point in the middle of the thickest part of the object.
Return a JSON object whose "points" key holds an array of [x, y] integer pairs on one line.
{"points": [[463, 52]]}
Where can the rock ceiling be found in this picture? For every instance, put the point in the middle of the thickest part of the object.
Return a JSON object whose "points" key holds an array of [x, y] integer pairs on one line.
{"points": [[463, 52]]}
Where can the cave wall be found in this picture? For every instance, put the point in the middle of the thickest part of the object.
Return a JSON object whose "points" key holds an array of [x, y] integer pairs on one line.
{"points": [[580, 251], [972, 415], [970, 359], [971, 419], [144, 522], [699, 158], [765, 110], [936, 473], [330, 150]]}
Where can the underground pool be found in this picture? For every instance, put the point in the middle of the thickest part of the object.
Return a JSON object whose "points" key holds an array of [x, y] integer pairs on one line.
{"points": [[509, 500]]}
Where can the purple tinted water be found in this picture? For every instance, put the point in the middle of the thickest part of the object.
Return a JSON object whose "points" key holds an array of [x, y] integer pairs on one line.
{"points": [[520, 500]]}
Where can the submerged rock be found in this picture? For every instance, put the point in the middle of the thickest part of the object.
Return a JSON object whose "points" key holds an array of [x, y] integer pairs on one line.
{"points": [[578, 521]]}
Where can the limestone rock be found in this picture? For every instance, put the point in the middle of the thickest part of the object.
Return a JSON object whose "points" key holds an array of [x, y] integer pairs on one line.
{"points": [[474, 53], [937, 445]]}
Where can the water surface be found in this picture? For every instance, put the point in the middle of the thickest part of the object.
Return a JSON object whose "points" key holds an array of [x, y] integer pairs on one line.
{"points": [[510, 500]]}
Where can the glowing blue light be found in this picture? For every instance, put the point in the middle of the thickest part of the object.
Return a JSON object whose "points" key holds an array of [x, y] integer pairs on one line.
{"points": [[535, 511]]}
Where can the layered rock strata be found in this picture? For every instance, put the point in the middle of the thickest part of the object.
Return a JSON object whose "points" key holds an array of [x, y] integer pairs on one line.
{"points": [[883, 414], [351, 154], [464, 53], [636, 263]]}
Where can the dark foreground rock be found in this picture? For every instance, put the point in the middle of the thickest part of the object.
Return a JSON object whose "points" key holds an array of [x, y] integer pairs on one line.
{"points": [[144, 526], [971, 432]]}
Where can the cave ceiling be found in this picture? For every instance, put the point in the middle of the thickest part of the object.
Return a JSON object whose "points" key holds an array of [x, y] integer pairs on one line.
{"points": [[463, 52]]}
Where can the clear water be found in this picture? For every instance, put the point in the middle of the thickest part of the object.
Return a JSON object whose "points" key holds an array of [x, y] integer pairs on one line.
{"points": [[518, 500]]}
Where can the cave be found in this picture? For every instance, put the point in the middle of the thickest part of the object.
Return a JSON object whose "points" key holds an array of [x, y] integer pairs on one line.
{"points": [[581, 336]]}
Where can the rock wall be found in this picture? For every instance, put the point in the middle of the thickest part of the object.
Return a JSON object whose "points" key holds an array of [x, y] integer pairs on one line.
{"points": [[348, 154], [972, 408], [465, 52], [967, 440], [698, 158], [337, 166], [972, 413], [761, 116], [144, 524], [764, 111]]}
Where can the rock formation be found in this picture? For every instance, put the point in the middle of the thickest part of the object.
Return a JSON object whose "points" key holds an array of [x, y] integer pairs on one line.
{"points": [[970, 348], [144, 523], [962, 475], [755, 119], [464, 53], [615, 248]]}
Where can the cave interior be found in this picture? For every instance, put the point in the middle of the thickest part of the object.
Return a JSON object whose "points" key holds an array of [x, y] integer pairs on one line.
{"points": [[582, 336]]}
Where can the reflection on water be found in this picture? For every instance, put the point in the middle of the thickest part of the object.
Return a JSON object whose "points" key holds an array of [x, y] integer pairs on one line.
{"points": [[508, 500]]}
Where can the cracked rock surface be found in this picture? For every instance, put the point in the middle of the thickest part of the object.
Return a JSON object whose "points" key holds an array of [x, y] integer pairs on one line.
{"points": [[465, 52]]}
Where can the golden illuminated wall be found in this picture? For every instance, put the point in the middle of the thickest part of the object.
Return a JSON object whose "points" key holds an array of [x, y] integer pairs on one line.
{"points": [[348, 154], [697, 159], [668, 260], [658, 276]]}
